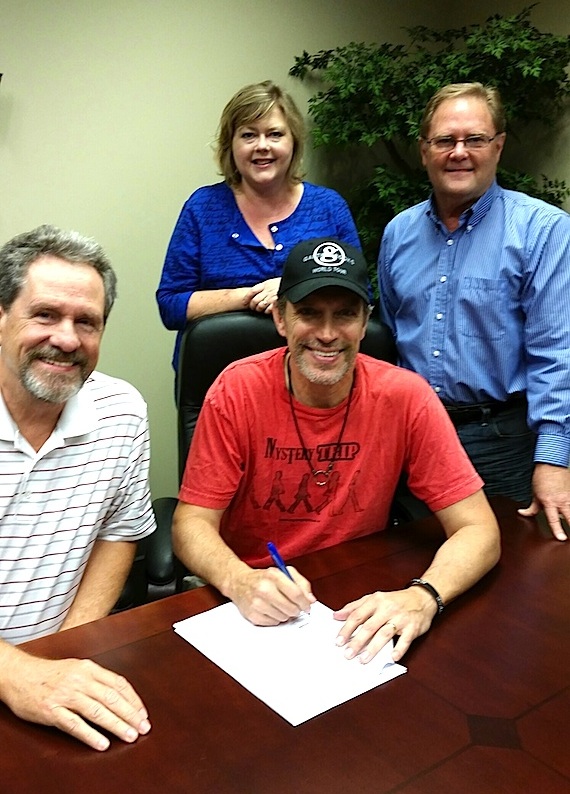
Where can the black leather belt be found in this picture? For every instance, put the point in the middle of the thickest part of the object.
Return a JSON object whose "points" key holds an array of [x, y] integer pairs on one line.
{"points": [[481, 412]]}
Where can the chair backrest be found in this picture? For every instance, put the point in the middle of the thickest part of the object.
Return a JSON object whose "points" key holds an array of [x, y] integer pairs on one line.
{"points": [[211, 343]]}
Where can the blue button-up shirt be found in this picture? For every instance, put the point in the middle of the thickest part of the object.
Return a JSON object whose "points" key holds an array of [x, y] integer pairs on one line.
{"points": [[482, 312], [212, 247]]}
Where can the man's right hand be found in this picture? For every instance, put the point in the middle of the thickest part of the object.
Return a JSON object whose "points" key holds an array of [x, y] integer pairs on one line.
{"points": [[267, 597], [551, 492], [71, 693]]}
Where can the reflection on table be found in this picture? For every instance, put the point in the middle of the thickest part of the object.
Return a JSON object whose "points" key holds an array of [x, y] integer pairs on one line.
{"points": [[483, 708]]}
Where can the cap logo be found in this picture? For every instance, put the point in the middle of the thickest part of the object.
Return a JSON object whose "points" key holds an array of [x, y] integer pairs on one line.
{"points": [[329, 254], [321, 262]]}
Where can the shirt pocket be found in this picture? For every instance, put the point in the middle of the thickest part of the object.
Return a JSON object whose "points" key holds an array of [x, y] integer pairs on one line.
{"points": [[481, 310]]}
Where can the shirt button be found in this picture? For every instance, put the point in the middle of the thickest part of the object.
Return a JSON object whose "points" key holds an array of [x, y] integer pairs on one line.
{"points": [[443, 279], [469, 228], [437, 353], [274, 229], [279, 247], [438, 316], [437, 389], [235, 235], [450, 242]]}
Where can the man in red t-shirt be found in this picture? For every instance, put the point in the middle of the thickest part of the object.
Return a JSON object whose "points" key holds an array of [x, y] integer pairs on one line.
{"points": [[304, 446]]}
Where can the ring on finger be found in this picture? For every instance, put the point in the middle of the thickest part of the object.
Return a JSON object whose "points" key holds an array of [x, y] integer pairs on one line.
{"points": [[391, 623]]}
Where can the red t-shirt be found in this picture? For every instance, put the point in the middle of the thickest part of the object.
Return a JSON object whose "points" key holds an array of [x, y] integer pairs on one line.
{"points": [[246, 457]]}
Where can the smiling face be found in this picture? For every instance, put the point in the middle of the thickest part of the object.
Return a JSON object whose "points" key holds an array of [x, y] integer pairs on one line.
{"points": [[323, 333], [263, 149], [51, 334], [459, 177]]}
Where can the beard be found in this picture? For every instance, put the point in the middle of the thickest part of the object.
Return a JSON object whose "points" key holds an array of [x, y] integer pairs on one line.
{"points": [[57, 387], [322, 377]]}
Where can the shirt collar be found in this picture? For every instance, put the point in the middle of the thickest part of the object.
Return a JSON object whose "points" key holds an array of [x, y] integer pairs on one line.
{"points": [[7, 425], [78, 417], [473, 214]]}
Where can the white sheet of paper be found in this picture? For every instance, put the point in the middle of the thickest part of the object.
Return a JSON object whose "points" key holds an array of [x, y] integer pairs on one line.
{"points": [[295, 668]]}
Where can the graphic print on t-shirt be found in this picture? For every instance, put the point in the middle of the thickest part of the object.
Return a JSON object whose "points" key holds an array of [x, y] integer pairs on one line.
{"points": [[277, 490], [295, 488], [302, 495]]}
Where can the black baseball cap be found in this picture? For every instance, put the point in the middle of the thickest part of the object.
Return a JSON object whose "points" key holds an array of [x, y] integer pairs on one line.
{"points": [[323, 262]]}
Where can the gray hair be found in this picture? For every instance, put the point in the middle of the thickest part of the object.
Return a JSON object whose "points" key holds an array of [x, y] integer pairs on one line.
{"points": [[21, 251]]}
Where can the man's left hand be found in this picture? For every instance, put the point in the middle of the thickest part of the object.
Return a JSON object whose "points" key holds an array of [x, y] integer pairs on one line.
{"points": [[374, 619], [551, 487]]}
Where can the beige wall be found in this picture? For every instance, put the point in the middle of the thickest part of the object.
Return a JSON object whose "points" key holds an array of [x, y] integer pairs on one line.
{"points": [[541, 151], [107, 111]]}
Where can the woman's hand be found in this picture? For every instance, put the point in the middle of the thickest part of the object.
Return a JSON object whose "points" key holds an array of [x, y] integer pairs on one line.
{"points": [[262, 296]]}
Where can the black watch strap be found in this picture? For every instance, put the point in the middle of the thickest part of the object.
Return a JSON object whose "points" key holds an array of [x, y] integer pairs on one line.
{"points": [[431, 590]]}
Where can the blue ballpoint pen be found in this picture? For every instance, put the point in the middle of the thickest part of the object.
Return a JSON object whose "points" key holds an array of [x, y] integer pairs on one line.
{"points": [[278, 560]]}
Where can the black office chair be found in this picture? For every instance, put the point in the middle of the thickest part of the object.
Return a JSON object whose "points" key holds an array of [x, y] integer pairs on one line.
{"points": [[135, 591], [208, 346]]}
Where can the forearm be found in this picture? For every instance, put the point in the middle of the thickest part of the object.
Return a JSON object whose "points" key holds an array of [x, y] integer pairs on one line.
{"points": [[263, 596], [11, 659], [198, 545], [471, 549], [214, 301], [105, 575], [464, 558]]}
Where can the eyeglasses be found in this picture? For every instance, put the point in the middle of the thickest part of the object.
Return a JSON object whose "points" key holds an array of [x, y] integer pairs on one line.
{"points": [[446, 143]]}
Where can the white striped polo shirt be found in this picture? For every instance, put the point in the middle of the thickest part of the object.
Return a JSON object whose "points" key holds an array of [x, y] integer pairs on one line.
{"points": [[89, 481]]}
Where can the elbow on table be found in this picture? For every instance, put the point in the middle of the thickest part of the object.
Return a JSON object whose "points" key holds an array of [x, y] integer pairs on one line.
{"points": [[493, 545]]}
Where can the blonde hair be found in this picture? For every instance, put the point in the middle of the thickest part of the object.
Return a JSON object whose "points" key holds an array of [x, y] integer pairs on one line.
{"points": [[249, 104], [488, 94]]}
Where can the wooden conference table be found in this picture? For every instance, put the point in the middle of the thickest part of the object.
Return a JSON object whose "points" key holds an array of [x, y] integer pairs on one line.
{"points": [[483, 708]]}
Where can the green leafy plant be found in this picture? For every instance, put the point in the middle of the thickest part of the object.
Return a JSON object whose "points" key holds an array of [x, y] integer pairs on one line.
{"points": [[373, 96]]}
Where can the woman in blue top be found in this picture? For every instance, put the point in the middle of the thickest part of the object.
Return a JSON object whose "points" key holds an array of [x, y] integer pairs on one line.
{"points": [[231, 240]]}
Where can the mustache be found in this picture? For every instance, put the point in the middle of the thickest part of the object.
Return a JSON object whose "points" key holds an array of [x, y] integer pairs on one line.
{"points": [[59, 356], [332, 348]]}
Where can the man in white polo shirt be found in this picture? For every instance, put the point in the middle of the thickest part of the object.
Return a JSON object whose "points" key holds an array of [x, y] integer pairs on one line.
{"points": [[74, 496]]}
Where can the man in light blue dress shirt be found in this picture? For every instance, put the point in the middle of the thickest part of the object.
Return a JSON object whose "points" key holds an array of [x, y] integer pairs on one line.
{"points": [[474, 282]]}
